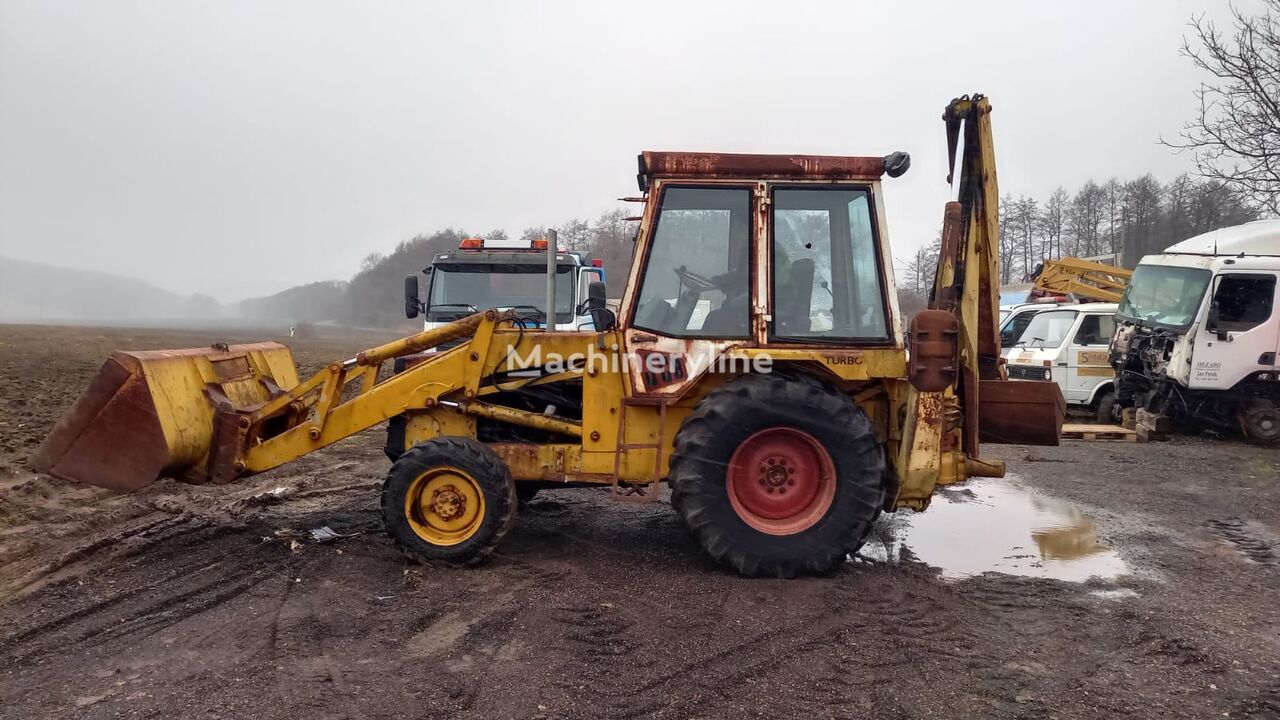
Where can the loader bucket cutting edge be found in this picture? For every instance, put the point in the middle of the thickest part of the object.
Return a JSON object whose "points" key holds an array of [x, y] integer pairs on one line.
{"points": [[146, 415]]}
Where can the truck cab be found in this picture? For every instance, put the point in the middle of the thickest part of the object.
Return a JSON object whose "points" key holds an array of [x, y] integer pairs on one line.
{"points": [[480, 275], [1068, 345], [1198, 334]]}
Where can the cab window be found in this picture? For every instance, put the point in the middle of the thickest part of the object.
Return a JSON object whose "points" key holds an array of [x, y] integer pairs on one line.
{"points": [[1244, 301], [696, 281], [1013, 329], [826, 269], [1095, 330]]}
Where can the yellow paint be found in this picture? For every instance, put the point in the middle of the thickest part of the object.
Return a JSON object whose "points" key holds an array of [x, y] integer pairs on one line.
{"points": [[444, 506], [1083, 278], [1095, 371]]}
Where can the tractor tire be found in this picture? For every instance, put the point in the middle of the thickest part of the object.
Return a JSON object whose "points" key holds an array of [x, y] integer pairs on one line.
{"points": [[1105, 410], [777, 475], [449, 499]]}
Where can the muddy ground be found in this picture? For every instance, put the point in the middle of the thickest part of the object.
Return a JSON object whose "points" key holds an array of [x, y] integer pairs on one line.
{"points": [[185, 601]]}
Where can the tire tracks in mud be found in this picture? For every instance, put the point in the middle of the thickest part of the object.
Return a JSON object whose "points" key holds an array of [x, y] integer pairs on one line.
{"points": [[304, 672], [137, 603], [1238, 532]]}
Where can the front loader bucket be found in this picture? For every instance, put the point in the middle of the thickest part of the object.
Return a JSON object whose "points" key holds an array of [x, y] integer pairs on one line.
{"points": [[150, 414]]}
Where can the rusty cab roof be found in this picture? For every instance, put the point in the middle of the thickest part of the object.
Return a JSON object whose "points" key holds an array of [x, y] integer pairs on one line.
{"points": [[695, 165]]}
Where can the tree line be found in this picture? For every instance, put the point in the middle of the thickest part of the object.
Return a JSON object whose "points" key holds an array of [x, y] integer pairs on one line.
{"points": [[1115, 221], [373, 297]]}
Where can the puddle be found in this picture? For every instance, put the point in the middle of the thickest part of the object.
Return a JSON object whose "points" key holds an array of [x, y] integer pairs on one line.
{"points": [[997, 526]]}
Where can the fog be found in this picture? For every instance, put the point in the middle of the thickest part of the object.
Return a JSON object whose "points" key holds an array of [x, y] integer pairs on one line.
{"points": [[237, 149]]}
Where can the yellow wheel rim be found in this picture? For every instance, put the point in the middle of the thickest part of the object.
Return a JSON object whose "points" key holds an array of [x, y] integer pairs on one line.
{"points": [[444, 506]]}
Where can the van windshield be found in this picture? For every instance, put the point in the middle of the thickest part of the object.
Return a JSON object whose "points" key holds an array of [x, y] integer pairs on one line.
{"points": [[1164, 295], [1048, 329]]}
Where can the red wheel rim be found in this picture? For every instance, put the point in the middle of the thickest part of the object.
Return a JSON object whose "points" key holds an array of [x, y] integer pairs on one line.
{"points": [[781, 481]]}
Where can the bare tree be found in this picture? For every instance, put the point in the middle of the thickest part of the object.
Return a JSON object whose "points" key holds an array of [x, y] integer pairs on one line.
{"points": [[529, 234], [1008, 243], [1141, 216], [575, 234], [1052, 220], [1235, 136], [1023, 214], [923, 267], [1113, 200], [1085, 218]]}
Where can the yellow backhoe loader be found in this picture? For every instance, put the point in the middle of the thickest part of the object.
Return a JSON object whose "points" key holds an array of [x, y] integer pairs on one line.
{"points": [[757, 364]]}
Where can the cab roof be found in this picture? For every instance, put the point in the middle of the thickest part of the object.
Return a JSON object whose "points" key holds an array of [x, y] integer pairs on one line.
{"points": [[694, 165], [1260, 237]]}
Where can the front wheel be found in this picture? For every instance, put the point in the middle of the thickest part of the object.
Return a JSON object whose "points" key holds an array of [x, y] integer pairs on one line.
{"points": [[448, 499], [777, 475], [1261, 422], [1105, 411]]}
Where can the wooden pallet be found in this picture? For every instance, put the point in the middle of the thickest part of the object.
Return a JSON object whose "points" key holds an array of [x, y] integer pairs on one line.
{"points": [[1073, 431]]}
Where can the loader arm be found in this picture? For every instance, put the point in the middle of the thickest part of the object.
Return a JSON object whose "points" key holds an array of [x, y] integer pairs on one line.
{"points": [[1083, 278], [214, 415]]}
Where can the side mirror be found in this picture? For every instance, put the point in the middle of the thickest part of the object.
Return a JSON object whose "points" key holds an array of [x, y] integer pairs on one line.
{"points": [[412, 305], [1214, 320], [601, 316]]}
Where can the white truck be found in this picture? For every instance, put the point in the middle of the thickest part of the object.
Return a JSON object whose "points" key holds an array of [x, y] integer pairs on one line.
{"points": [[1067, 344], [477, 276], [1198, 332]]}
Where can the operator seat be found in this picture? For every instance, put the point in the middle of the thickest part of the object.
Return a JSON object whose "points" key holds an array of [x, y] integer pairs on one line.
{"points": [[794, 298]]}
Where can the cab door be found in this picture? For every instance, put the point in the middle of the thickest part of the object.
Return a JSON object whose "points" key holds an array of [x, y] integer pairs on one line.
{"points": [[1244, 338], [1087, 357], [586, 276]]}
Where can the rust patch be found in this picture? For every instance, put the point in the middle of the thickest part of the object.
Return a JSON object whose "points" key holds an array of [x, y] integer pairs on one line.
{"points": [[933, 363], [696, 164], [111, 436]]}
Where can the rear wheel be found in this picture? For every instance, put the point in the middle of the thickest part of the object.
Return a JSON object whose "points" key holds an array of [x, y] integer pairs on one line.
{"points": [[777, 475], [448, 499]]}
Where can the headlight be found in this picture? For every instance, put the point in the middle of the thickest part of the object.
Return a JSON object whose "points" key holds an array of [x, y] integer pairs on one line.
{"points": [[1048, 374]]}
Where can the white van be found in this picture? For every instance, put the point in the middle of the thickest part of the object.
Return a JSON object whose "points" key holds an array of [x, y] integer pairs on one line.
{"points": [[1069, 345], [1015, 318]]}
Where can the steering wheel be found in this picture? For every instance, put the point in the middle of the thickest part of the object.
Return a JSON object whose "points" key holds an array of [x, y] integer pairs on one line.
{"points": [[701, 283]]}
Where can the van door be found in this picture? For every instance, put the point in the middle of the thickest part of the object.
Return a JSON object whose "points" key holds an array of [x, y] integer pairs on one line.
{"points": [[1088, 357], [1246, 333]]}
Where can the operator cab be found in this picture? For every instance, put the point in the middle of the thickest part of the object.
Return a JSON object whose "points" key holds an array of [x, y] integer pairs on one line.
{"points": [[786, 260]]}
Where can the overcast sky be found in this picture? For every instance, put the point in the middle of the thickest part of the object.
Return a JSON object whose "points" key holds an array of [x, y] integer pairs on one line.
{"points": [[239, 148]]}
